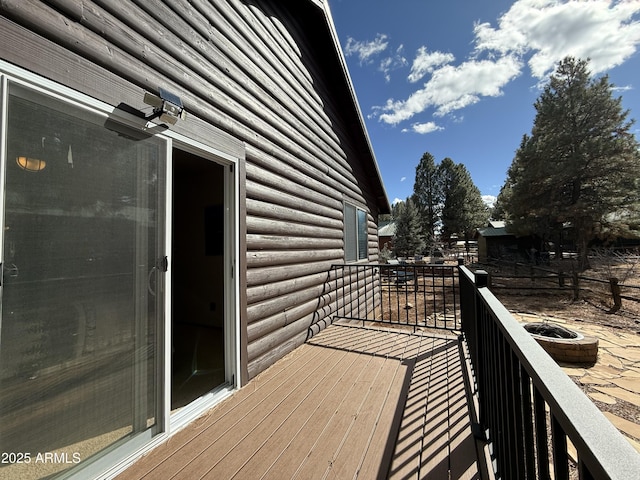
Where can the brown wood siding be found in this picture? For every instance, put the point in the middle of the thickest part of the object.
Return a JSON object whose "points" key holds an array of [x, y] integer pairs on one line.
{"points": [[262, 72]]}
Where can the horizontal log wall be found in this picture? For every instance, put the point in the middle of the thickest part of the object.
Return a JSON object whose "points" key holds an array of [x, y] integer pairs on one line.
{"points": [[263, 72]]}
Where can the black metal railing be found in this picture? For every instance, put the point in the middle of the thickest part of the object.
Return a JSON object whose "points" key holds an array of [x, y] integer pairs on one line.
{"points": [[529, 409], [416, 295]]}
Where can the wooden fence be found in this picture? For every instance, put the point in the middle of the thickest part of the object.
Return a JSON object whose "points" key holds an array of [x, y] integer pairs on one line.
{"points": [[516, 276]]}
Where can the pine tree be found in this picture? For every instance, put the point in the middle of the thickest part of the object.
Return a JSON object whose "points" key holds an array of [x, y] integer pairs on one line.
{"points": [[427, 196], [580, 167], [407, 240], [499, 210], [463, 209]]}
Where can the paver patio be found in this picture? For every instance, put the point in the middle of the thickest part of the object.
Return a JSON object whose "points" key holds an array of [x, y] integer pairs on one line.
{"points": [[616, 374]]}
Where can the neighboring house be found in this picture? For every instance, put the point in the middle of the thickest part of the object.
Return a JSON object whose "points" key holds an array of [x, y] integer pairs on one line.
{"points": [[495, 242], [385, 235], [151, 271]]}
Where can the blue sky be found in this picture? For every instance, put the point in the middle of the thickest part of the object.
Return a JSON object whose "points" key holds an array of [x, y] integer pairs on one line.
{"points": [[459, 78]]}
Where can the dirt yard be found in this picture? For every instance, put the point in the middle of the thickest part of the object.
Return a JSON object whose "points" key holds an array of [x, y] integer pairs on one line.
{"points": [[595, 299]]}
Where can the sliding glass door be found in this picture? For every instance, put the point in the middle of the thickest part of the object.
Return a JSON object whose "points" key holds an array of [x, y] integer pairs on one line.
{"points": [[81, 326]]}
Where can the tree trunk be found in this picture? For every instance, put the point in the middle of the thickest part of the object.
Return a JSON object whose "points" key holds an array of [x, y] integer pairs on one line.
{"points": [[615, 293], [583, 260]]}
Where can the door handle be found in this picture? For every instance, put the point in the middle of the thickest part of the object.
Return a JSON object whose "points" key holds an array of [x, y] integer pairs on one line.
{"points": [[150, 286], [162, 266]]}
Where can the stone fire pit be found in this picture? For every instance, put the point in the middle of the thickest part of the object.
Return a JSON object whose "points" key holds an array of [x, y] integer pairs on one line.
{"points": [[563, 344]]}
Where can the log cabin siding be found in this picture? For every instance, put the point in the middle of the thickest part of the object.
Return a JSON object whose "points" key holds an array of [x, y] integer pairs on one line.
{"points": [[261, 72]]}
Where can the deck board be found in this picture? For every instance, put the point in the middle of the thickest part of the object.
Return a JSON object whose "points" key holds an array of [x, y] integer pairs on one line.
{"points": [[297, 416], [251, 427], [352, 402], [307, 434]]}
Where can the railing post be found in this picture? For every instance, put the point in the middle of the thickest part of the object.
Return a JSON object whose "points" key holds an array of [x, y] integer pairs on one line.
{"points": [[482, 278]]}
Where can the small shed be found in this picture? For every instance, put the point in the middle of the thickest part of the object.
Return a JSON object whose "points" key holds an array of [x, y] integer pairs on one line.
{"points": [[494, 241]]}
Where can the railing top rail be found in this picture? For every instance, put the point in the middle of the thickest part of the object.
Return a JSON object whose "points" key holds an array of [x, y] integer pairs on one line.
{"points": [[408, 264], [606, 452]]}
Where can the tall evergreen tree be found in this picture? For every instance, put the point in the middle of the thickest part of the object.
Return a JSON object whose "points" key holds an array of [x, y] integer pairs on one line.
{"points": [[523, 201], [407, 239], [580, 166], [463, 209], [499, 212], [427, 195]]}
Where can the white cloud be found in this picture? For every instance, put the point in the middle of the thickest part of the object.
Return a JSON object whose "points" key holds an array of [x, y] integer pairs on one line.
{"points": [[626, 88], [451, 88], [392, 63], [396, 200], [424, 128], [403, 179], [366, 50], [548, 30], [539, 33], [489, 200], [426, 62]]}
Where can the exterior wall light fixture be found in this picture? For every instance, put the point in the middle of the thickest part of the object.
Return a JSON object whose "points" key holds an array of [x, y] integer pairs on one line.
{"points": [[166, 106]]}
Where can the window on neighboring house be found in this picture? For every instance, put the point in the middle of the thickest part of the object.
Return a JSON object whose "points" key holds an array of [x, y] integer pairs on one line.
{"points": [[355, 233]]}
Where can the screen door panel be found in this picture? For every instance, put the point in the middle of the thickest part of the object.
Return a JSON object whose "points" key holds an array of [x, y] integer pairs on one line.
{"points": [[80, 331]]}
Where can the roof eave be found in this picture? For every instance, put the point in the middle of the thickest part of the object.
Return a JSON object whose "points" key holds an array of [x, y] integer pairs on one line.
{"points": [[383, 199]]}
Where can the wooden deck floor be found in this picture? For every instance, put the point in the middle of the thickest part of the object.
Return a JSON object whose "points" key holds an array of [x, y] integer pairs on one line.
{"points": [[353, 402]]}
